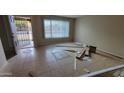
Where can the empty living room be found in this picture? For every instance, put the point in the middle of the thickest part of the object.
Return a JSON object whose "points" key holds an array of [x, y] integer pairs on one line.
{"points": [[61, 46]]}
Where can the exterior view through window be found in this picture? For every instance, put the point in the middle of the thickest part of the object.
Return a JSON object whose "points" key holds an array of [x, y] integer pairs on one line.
{"points": [[56, 28]]}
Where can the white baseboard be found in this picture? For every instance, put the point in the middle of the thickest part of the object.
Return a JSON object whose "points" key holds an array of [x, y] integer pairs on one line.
{"points": [[110, 54]]}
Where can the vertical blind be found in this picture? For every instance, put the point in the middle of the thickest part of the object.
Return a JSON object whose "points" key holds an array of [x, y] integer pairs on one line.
{"points": [[56, 28]]}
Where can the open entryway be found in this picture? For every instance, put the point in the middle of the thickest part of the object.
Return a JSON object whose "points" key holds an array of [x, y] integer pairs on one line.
{"points": [[24, 32]]}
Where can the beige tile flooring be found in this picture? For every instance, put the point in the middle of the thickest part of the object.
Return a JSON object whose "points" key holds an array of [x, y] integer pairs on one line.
{"points": [[51, 61]]}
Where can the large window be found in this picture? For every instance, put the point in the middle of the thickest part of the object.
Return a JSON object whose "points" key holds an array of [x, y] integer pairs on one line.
{"points": [[56, 28]]}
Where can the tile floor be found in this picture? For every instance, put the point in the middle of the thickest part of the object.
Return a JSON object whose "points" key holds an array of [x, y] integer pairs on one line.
{"points": [[52, 61]]}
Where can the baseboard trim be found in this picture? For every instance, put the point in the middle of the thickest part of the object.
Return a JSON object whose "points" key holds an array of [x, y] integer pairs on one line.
{"points": [[102, 52]]}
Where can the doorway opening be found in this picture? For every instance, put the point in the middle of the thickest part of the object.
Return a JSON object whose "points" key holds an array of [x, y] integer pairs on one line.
{"points": [[24, 32]]}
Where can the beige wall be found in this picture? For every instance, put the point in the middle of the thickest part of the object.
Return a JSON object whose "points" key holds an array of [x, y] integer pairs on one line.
{"points": [[37, 28], [105, 32], [2, 56]]}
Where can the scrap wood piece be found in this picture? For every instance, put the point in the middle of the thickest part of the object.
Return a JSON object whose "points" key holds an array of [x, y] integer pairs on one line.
{"points": [[82, 54], [73, 51], [74, 46], [86, 70]]}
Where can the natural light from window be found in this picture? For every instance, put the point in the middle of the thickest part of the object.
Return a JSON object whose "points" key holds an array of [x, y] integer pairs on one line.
{"points": [[56, 28]]}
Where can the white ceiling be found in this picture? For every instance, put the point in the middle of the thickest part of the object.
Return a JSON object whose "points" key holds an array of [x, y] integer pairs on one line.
{"points": [[72, 16], [68, 16]]}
